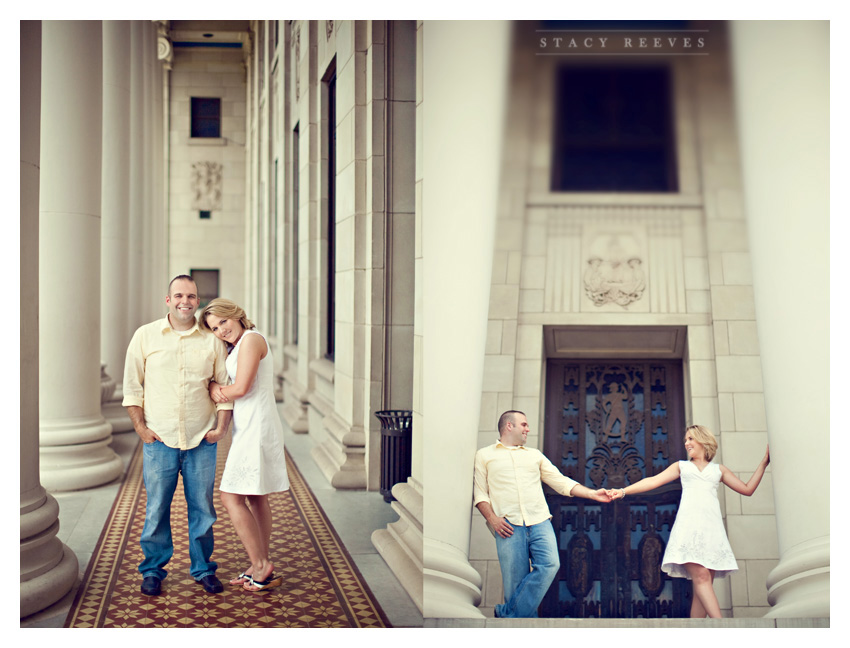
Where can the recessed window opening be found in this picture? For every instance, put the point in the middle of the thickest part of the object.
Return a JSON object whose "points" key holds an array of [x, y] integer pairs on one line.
{"points": [[614, 130], [206, 117]]}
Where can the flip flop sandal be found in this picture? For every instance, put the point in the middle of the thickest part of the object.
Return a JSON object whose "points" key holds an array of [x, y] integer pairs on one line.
{"points": [[269, 583], [240, 579]]}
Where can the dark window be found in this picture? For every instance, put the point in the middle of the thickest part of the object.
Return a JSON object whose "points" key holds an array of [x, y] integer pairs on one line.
{"points": [[205, 214], [614, 130], [331, 222], [207, 283], [296, 181], [206, 117]]}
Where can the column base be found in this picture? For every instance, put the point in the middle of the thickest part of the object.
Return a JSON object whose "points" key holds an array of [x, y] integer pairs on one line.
{"points": [[451, 587], [43, 591], [77, 467], [400, 544], [341, 456], [799, 585], [48, 569], [295, 405]]}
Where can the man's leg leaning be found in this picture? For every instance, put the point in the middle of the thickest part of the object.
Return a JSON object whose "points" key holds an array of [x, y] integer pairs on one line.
{"points": [[543, 552], [513, 561]]}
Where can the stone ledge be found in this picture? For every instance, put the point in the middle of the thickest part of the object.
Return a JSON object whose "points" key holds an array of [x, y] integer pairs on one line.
{"points": [[628, 623]]}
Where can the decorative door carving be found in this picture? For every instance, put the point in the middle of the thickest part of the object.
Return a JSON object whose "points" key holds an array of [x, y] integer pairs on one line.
{"points": [[609, 424]]}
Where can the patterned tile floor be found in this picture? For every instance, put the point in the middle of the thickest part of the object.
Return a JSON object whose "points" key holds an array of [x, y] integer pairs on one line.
{"points": [[353, 514], [321, 586]]}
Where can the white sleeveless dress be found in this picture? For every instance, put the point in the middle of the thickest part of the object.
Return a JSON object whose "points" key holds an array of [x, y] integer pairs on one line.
{"points": [[698, 535], [256, 464]]}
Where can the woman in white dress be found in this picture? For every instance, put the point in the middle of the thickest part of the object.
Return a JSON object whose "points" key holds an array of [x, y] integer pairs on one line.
{"points": [[256, 464], [698, 548]]}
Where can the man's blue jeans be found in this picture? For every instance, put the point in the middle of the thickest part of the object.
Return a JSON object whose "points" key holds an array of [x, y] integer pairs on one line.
{"points": [[524, 588], [161, 467]]}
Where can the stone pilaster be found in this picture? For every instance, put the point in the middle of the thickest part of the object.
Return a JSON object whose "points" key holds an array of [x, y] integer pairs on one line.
{"points": [[299, 380], [391, 107], [75, 437]]}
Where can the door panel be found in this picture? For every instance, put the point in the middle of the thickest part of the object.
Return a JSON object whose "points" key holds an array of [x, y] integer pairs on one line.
{"points": [[609, 424]]}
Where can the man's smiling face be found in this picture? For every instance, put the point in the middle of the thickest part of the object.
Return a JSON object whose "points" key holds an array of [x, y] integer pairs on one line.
{"points": [[182, 302]]}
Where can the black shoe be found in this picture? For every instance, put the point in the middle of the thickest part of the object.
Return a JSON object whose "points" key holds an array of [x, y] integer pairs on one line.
{"points": [[151, 586], [211, 584]]}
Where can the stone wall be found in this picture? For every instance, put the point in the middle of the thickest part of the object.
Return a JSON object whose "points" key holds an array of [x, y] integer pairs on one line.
{"points": [[208, 173]]}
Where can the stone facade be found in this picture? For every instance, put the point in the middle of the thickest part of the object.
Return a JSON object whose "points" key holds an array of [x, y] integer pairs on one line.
{"points": [[331, 151], [692, 271]]}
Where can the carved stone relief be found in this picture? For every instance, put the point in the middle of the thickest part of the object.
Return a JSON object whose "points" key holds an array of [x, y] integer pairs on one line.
{"points": [[591, 259], [329, 29], [614, 271], [206, 186]]}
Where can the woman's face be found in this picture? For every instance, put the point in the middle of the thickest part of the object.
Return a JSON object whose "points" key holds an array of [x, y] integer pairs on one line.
{"points": [[229, 330], [693, 448]]}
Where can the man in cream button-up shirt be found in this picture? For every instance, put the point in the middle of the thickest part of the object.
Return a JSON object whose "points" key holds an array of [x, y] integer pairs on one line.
{"points": [[169, 366], [508, 490]]}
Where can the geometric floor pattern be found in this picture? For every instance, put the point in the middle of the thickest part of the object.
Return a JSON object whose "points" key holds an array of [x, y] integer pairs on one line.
{"points": [[321, 585]]}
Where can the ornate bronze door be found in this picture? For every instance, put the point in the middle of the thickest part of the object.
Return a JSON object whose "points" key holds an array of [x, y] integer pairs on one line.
{"points": [[609, 424]]}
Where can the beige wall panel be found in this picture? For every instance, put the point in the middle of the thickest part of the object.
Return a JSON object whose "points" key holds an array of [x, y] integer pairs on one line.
{"points": [[739, 374]]}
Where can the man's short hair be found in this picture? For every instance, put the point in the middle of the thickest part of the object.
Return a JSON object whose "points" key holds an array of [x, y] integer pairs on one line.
{"points": [[506, 417], [183, 276]]}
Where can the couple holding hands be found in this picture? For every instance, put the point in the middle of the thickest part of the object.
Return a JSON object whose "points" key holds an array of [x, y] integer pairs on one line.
{"points": [[508, 492]]}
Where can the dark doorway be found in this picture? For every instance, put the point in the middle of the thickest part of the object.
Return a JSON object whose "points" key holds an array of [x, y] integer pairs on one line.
{"points": [[608, 424]]}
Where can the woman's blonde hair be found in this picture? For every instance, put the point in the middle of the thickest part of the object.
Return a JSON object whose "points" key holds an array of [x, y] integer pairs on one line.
{"points": [[704, 436], [226, 309]]}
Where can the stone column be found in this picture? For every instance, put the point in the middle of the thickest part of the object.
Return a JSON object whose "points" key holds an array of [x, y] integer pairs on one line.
{"points": [[782, 86], [115, 205], [165, 56], [48, 568], [155, 281], [75, 437], [160, 63], [462, 128], [137, 307]]}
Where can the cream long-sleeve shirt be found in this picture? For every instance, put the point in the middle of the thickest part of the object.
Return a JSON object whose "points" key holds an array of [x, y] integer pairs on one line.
{"points": [[511, 479], [167, 373]]}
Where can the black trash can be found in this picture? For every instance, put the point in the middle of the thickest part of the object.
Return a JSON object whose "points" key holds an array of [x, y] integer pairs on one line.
{"points": [[395, 448]]}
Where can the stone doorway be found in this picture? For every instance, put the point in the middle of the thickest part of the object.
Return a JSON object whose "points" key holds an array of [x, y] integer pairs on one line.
{"points": [[610, 423]]}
